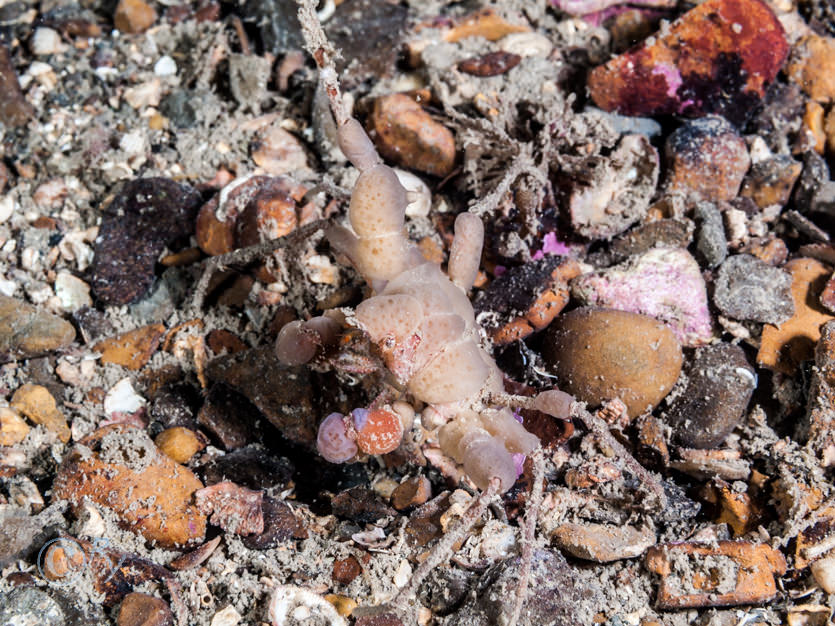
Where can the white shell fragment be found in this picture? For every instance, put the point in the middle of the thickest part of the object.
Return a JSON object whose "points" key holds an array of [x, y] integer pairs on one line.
{"points": [[288, 601]]}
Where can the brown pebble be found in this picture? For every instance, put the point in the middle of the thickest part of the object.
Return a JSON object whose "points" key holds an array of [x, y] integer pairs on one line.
{"points": [[490, 64], [15, 110], [600, 354], [771, 181], [151, 494], [345, 570], [13, 428], [413, 492], [27, 331], [36, 403], [141, 609], [278, 152], [269, 215], [214, 236], [132, 349], [707, 160], [280, 525], [603, 543], [812, 66], [407, 135], [222, 341], [134, 16], [180, 443]]}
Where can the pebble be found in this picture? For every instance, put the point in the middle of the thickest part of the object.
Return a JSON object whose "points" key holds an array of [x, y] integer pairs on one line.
{"points": [[665, 283], [141, 609], [407, 135], [280, 525], [694, 65], [126, 473], [750, 580], [277, 151], [226, 617], [346, 570], [15, 110], [490, 64], [13, 428], [557, 596], [707, 160], [770, 182], [122, 398], [134, 16], [46, 41], [412, 492], [749, 289], [784, 347], [36, 403], [663, 233], [224, 417], [719, 385], [132, 349], [609, 194], [599, 354], [711, 243], [603, 543], [165, 66], [360, 505], [180, 443], [26, 331], [145, 216], [812, 66], [73, 292]]}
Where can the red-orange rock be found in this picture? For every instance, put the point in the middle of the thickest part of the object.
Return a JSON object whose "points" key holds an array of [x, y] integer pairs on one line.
{"points": [[134, 16], [407, 135], [717, 58]]}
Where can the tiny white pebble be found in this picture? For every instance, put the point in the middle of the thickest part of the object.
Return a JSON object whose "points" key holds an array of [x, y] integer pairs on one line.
{"points": [[46, 41], [73, 292], [226, 617], [736, 27], [133, 143], [403, 573], [165, 66], [7, 206]]}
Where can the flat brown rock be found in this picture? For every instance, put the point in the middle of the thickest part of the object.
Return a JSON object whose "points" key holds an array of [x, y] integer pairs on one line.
{"points": [[132, 349], [27, 331], [36, 403]]}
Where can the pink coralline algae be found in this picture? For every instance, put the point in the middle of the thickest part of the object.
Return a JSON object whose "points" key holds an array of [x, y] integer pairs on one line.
{"points": [[717, 58], [664, 283]]}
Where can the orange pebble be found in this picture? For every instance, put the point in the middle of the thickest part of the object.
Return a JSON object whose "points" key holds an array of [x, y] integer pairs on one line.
{"points": [[378, 430]]}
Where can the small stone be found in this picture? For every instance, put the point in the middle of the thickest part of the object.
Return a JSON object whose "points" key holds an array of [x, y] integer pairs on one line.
{"points": [[784, 347], [269, 215], [133, 349], [226, 419], [147, 215], [490, 64], [707, 160], [346, 570], [73, 292], [407, 135], [526, 298], [716, 58], [527, 44], [665, 283], [609, 194], [812, 66], [663, 233], [280, 525], [770, 182], [145, 94], [180, 443], [603, 543], [719, 385], [691, 578], [13, 428], [278, 152], [749, 289], [710, 235], [226, 617], [192, 559], [36, 403], [734, 508], [15, 110], [141, 609], [26, 331], [213, 235], [413, 492], [125, 472], [360, 505], [600, 354], [134, 16], [46, 41], [165, 66]]}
